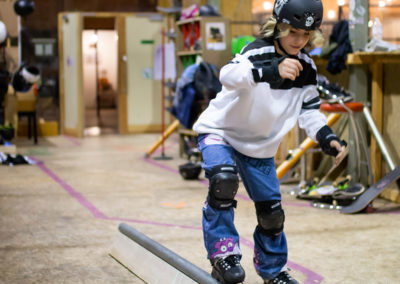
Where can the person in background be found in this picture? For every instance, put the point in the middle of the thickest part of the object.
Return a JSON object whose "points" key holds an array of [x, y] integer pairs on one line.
{"points": [[266, 90]]}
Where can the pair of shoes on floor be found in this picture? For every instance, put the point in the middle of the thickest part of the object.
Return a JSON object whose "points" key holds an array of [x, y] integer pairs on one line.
{"points": [[12, 160], [228, 270], [282, 278]]}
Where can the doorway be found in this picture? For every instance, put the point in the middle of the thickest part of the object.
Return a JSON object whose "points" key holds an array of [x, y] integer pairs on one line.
{"points": [[131, 104], [100, 83]]}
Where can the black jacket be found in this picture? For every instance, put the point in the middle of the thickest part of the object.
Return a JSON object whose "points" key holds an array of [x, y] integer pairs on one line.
{"points": [[340, 35]]}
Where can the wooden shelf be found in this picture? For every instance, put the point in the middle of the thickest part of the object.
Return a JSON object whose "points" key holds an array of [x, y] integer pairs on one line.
{"points": [[197, 32], [357, 58], [188, 21], [373, 57], [208, 37], [187, 53]]}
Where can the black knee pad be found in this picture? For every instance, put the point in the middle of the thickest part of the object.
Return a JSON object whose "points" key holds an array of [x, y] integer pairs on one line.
{"points": [[270, 217], [224, 184]]}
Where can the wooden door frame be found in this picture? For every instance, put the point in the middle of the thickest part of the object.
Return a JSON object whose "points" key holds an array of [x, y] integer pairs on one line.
{"points": [[78, 131], [120, 25], [122, 99]]}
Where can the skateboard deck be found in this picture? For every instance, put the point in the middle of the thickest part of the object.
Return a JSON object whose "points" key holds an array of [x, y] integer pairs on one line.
{"points": [[371, 193]]}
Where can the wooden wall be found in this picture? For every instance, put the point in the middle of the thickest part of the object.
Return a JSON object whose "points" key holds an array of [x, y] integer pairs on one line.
{"points": [[391, 114], [45, 13], [239, 12], [187, 3]]}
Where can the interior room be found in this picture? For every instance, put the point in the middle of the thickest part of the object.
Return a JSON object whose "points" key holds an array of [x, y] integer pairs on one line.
{"points": [[100, 81], [199, 141]]}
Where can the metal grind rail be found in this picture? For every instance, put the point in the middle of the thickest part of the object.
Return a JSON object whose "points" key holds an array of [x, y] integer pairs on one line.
{"points": [[181, 264]]}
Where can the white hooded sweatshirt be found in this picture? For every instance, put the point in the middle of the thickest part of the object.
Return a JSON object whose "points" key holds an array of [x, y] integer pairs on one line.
{"points": [[253, 117]]}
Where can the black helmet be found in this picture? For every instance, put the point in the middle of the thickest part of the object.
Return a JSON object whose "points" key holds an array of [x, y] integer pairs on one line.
{"points": [[300, 14], [23, 7], [190, 170], [24, 78]]}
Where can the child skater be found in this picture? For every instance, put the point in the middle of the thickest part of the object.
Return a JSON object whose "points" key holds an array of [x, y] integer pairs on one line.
{"points": [[266, 90]]}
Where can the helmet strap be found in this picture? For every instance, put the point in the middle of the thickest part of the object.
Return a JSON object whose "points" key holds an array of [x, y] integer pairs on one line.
{"points": [[278, 41], [275, 36]]}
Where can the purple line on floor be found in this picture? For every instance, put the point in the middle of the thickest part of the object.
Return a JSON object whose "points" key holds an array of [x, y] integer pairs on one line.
{"points": [[154, 163], [79, 197], [72, 140], [312, 277], [96, 212], [166, 147], [36, 161]]}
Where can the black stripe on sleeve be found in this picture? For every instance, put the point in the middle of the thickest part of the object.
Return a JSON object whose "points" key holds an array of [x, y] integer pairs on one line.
{"points": [[312, 104]]}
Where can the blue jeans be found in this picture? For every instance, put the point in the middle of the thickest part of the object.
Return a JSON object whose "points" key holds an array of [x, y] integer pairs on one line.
{"points": [[259, 178]]}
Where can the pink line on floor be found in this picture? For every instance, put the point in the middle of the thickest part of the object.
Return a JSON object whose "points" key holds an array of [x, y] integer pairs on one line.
{"points": [[166, 147], [79, 197], [162, 166], [312, 277], [93, 209], [72, 140]]}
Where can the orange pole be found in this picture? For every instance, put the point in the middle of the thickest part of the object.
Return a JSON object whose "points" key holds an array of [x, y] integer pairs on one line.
{"points": [[299, 151], [174, 125], [162, 89]]}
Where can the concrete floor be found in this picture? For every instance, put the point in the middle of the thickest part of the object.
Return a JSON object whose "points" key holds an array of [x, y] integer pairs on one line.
{"points": [[58, 219]]}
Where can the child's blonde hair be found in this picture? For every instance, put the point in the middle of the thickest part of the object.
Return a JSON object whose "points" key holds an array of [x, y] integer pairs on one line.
{"points": [[267, 30]]}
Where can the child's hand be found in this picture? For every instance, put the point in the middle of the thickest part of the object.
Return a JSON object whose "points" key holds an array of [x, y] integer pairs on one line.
{"points": [[342, 151], [290, 68]]}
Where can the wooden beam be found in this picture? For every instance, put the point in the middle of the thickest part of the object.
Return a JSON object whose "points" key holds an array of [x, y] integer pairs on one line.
{"points": [[61, 72], [122, 76], [79, 62], [98, 23]]}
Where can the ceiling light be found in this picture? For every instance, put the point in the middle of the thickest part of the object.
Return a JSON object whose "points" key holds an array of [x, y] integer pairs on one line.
{"points": [[331, 14], [267, 6]]}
